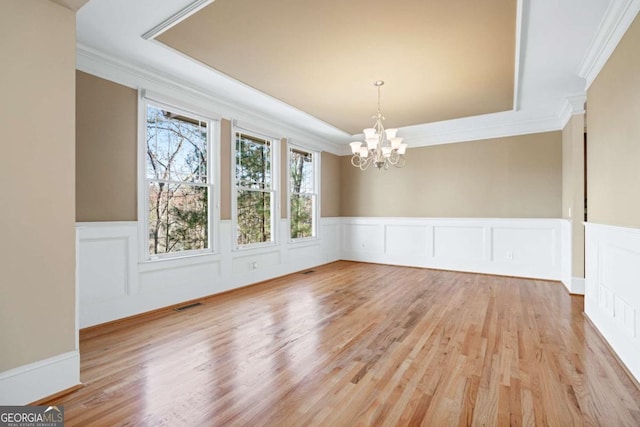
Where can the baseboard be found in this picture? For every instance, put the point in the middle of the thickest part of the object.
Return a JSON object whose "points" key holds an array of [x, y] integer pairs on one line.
{"points": [[615, 355], [51, 399], [574, 285], [577, 286], [35, 381]]}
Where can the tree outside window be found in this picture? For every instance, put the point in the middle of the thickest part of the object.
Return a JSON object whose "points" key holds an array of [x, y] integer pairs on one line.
{"points": [[177, 182], [255, 195], [302, 193]]}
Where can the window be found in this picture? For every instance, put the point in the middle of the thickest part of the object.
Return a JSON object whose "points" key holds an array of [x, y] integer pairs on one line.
{"points": [[302, 193], [255, 190], [177, 185]]}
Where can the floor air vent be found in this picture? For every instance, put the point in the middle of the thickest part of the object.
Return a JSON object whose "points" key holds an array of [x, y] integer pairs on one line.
{"points": [[188, 306], [308, 272]]}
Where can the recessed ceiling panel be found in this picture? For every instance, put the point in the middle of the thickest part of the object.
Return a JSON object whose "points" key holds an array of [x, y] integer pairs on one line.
{"points": [[439, 59]]}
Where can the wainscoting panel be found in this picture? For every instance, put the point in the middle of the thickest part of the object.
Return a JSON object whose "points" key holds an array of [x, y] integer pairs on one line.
{"points": [[113, 283], [460, 243], [107, 267], [107, 260], [514, 247], [363, 238], [245, 263], [612, 291], [520, 245], [331, 236], [408, 240]]}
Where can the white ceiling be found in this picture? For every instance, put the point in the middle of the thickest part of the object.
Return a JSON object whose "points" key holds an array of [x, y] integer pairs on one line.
{"points": [[553, 39]]}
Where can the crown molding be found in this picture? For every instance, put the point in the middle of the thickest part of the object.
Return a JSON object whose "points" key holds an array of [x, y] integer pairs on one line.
{"points": [[72, 5], [574, 105], [176, 18], [135, 76], [522, 11], [476, 128], [497, 125], [617, 19]]}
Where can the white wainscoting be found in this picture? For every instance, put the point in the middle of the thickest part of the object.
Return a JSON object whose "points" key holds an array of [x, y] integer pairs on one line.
{"points": [[612, 294], [114, 284], [513, 247]]}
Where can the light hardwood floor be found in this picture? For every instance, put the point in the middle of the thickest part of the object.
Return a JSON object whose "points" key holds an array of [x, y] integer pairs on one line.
{"points": [[358, 344]]}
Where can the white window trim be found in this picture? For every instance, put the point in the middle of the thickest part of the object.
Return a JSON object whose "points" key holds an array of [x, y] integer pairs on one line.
{"points": [[316, 185], [213, 149], [275, 184]]}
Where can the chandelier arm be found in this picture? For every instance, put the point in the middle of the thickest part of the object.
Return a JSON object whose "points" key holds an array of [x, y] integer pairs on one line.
{"points": [[366, 163], [400, 163]]}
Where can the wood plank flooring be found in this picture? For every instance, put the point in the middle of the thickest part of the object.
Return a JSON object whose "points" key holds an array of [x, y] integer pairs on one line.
{"points": [[358, 344]]}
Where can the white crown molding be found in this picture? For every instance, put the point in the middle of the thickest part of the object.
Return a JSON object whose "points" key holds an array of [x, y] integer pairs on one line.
{"points": [[176, 18], [99, 64], [497, 125], [573, 105], [521, 12], [617, 19]]}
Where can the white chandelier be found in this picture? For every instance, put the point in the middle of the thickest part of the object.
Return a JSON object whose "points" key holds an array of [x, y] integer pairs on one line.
{"points": [[381, 147]]}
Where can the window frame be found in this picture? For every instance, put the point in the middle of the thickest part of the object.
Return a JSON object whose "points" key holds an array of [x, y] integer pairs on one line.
{"points": [[213, 177], [316, 192], [275, 188]]}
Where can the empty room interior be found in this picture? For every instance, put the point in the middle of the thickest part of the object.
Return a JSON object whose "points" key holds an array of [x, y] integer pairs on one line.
{"points": [[336, 213]]}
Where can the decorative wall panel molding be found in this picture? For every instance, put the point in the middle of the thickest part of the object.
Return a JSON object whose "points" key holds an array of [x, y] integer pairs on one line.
{"points": [[612, 290], [513, 247], [114, 284]]}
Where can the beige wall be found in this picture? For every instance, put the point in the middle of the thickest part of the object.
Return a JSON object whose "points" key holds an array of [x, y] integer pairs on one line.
{"points": [[518, 176], [573, 187], [330, 184], [73, 5], [613, 145], [106, 134], [37, 288], [284, 178], [225, 169], [106, 149]]}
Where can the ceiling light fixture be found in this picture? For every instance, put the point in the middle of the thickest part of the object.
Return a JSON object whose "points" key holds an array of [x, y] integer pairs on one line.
{"points": [[381, 147]]}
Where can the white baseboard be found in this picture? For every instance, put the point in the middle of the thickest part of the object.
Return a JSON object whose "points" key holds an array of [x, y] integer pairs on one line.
{"points": [[35, 381], [574, 285], [577, 285]]}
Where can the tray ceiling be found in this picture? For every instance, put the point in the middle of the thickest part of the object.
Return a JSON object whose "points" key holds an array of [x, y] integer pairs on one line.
{"points": [[439, 60]]}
